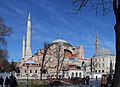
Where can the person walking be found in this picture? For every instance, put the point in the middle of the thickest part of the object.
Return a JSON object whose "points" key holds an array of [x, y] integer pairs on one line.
{"points": [[104, 81], [15, 82], [83, 81], [87, 80], [7, 81], [96, 78], [1, 81]]}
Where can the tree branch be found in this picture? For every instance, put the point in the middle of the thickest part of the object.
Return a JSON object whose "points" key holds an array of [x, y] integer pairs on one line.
{"points": [[115, 9]]}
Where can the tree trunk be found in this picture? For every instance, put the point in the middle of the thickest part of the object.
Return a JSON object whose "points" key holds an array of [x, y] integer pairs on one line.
{"points": [[116, 80], [43, 59]]}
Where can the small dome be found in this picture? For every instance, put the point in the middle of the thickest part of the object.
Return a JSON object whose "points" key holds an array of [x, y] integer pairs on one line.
{"points": [[103, 52]]}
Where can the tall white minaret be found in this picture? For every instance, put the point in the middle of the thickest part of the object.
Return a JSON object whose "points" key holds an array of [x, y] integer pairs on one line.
{"points": [[96, 44], [28, 52], [23, 48]]}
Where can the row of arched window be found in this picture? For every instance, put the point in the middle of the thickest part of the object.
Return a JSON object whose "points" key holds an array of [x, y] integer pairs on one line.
{"points": [[30, 71], [76, 74]]}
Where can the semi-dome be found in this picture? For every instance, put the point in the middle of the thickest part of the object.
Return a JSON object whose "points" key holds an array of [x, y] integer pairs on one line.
{"points": [[61, 40], [103, 52]]}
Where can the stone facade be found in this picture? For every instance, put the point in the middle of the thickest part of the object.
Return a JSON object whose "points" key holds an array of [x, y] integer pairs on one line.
{"points": [[62, 51], [103, 62]]}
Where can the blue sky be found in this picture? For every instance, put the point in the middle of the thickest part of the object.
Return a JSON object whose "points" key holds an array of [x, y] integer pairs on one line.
{"points": [[53, 19]]}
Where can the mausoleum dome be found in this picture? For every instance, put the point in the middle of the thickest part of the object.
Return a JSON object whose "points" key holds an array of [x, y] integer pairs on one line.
{"points": [[103, 52]]}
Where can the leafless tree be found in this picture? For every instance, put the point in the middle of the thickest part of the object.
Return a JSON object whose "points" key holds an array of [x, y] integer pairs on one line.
{"points": [[105, 6], [46, 47], [5, 31], [60, 55]]}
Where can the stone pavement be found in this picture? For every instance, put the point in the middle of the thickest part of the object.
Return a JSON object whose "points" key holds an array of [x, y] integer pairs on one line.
{"points": [[93, 83]]}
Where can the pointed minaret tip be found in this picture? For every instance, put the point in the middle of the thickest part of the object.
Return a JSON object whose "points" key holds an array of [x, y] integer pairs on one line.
{"points": [[29, 17], [96, 36], [23, 38]]}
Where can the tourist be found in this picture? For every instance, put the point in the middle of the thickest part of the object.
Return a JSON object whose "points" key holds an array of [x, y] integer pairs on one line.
{"points": [[7, 81], [96, 78], [87, 80], [1, 81], [13, 81], [109, 79], [104, 81], [83, 81]]}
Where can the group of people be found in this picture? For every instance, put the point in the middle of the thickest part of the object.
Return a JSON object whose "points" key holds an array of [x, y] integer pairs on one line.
{"points": [[9, 82], [85, 80], [105, 80]]}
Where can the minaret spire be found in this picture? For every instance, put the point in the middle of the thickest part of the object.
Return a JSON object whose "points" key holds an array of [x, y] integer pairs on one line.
{"points": [[28, 52], [29, 17], [96, 44], [23, 48]]}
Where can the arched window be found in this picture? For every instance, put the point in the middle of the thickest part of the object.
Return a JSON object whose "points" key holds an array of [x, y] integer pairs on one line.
{"points": [[25, 71], [80, 75], [35, 71], [30, 71], [72, 75], [76, 74]]}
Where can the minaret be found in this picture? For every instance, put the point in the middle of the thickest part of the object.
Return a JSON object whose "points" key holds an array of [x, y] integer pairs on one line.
{"points": [[28, 52], [23, 48], [96, 44]]}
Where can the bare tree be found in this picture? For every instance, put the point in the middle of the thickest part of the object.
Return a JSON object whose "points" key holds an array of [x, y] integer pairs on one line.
{"points": [[104, 6], [5, 31], [46, 47], [4, 59], [58, 53]]}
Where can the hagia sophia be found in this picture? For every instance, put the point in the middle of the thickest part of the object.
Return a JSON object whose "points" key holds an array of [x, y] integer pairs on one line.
{"points": [[60, 57]]}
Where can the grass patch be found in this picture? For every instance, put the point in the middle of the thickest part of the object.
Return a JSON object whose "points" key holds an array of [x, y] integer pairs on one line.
{"points": [[32, 84]]}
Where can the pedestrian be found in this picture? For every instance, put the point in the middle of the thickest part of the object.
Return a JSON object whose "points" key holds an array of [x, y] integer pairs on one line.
{"points": [[83, 81], [11, 81], [109, 79], [96, 78], [7, 81], [104, 81], [1, 81], [15, 82], [87, 80]]}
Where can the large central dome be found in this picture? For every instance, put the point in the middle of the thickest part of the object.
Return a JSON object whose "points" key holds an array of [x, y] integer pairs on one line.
{"points": [[61, 40]]}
